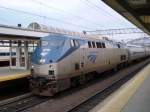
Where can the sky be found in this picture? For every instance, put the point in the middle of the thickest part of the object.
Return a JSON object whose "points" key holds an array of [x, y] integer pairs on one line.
{"points": [[75, 15]]}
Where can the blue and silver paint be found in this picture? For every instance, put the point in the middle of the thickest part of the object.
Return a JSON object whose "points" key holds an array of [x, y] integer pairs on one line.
{"points": [[58, 48], [92, 56]]}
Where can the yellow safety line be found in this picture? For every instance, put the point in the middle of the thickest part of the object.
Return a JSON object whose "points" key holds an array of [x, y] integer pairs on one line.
{"points": [[14, 76], [117, 101]]}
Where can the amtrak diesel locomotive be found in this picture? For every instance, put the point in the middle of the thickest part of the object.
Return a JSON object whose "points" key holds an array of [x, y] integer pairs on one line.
{"points": [[62, 61]]}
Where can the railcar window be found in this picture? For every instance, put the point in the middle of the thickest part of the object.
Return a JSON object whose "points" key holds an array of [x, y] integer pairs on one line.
{"points": [[93, 44], [89, 44], [2, 54], [7, 54], [103, 45], [13, 53]]}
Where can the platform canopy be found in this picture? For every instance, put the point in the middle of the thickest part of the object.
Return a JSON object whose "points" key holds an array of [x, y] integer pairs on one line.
{"points": [[136, 11], [13, 33]]}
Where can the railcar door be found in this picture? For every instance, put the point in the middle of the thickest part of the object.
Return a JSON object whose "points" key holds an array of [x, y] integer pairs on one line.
{"points": [[78, 59], [75, 57], [82, 60]]}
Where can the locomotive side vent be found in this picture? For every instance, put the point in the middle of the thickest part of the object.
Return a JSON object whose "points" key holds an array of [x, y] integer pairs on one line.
{"points": [[51, 72]]}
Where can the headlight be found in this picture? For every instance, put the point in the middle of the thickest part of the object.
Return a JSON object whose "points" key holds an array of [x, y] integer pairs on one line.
{"points": [[42, 61]]}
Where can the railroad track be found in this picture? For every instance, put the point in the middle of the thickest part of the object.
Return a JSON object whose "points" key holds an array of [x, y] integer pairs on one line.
{"points": [[99, 97], [21, 103], [13, 88], [77, 99], [17, 98]]}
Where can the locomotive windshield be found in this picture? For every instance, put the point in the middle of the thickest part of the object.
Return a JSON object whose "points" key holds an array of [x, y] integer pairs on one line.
{"points": [[53, 42], [44, 43]]}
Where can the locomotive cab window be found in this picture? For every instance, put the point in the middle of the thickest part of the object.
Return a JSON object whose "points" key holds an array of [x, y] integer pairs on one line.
{"points": [[74, 43], [44, 43]]}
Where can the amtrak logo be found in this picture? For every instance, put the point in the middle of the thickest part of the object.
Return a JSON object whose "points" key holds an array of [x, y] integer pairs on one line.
{"points": [[92, 56]]}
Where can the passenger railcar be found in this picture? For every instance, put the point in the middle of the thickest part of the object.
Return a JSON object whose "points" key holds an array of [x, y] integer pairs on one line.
{"points": [[136, 52], [5, 57]]}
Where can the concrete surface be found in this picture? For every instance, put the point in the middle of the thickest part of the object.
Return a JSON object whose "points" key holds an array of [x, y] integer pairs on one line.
{"points": [[131, 97], [140, 102], [11, 74]]}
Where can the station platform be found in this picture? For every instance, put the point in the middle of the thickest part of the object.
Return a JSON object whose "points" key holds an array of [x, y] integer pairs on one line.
{"points": [[134, 96], [7, 74]]}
